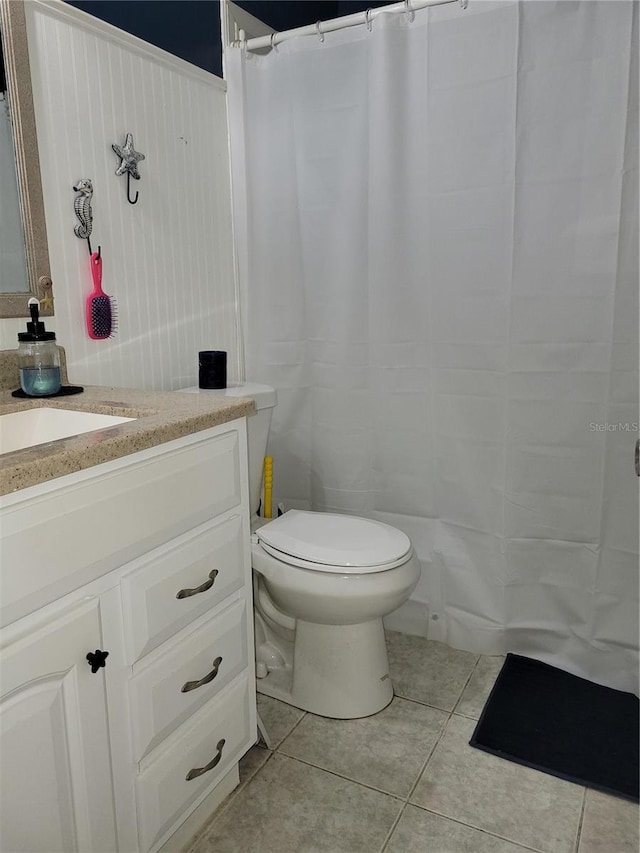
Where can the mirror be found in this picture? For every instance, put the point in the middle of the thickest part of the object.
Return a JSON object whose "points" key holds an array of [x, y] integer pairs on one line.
{"points": [[35, 278]]}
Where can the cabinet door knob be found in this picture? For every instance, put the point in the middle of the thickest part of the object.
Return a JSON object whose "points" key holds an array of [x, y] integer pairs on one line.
{"points": [[185, 593], [97, 659], [192, 685], [198, 771]]}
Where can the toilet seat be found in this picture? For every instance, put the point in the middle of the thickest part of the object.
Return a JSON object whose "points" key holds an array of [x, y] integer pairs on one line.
{"points": [[329, 542]]}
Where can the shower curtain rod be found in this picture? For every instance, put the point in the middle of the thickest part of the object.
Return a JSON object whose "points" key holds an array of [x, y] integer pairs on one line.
{"points": [[322, 27]]}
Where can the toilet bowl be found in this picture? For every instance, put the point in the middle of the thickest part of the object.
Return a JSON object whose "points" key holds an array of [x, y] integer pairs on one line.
{"points": [[322, 584]]}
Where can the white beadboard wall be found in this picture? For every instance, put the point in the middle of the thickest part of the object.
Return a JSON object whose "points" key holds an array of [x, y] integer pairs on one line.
{"points": [[168, 260]]}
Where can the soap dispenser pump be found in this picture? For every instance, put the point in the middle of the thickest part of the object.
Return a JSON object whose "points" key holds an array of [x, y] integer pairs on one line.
{"points": [[38, 357]]}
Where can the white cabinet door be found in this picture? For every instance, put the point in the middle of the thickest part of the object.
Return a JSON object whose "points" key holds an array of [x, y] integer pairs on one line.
{"points": [[56, 791]]}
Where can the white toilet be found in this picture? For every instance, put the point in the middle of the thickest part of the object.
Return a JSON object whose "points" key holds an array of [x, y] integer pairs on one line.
{"points": [[322, 583]]}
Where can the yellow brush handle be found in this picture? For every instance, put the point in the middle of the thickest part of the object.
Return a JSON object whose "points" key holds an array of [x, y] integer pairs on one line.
{"points": [[268, 485]]}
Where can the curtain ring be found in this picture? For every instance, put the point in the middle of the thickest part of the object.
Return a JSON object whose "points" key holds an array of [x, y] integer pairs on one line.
{"points": [[273, 44], [464, 4], [411, 15], [367, 20], [319, 31]]}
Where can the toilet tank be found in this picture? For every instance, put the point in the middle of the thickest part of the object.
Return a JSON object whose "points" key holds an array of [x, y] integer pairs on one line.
{"points": [[258, 425]]}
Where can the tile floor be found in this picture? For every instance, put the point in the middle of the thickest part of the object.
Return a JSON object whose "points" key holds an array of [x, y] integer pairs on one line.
{"points": [[406, 780]]}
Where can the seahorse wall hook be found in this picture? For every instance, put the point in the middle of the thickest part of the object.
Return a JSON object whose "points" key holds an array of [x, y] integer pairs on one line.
{"points": [[129, 159], [82, 207]]}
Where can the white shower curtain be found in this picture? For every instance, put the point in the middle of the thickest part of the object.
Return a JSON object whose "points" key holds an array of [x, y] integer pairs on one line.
{"points": [[437, 228]]}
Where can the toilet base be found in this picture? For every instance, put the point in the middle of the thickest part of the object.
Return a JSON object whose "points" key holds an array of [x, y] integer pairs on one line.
{"points": [[339, 671]]}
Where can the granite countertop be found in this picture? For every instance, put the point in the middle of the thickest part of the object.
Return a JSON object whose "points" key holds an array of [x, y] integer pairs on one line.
{"points": [[160, 417]]}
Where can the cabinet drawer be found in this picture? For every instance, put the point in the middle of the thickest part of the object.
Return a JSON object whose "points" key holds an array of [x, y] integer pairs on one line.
{"points": [[202, 567], [98, 520], [203, 663], [215, 740]]}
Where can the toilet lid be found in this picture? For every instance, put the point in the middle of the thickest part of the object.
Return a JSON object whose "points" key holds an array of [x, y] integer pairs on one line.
{"points": [[341, 541]]}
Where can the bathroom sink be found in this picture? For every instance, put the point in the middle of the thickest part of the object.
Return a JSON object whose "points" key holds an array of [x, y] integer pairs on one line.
{"points": [[39, 425]]}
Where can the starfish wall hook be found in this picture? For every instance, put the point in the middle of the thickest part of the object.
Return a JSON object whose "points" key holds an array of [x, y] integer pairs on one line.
{"points": [[129, 159]]}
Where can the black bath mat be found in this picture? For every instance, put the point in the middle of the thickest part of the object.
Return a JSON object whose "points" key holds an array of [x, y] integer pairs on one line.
{"points": [[542, 717]]}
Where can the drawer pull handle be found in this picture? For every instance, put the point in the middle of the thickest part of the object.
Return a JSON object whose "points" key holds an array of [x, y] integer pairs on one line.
{"points": [[185, 593], [198, 771], [192, 685]]}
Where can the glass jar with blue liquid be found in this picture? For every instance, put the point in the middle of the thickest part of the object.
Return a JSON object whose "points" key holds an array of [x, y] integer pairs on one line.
{"points": [[38, 357]]}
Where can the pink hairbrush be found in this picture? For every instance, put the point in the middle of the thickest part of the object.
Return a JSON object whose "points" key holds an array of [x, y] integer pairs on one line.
{"points": [[102, 311]]}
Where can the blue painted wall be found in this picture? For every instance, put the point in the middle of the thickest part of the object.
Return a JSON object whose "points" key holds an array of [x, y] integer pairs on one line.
{"points": [[191, 28]]}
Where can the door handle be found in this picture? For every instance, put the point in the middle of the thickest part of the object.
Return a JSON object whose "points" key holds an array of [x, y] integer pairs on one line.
{"points": [[97, 659]]}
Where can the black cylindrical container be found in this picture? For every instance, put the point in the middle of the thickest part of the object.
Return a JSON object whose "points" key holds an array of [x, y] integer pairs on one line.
{"points": [[212, 369]]}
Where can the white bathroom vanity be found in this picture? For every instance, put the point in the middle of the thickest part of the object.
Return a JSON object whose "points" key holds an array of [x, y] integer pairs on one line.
{"points": [[145, 556]]}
